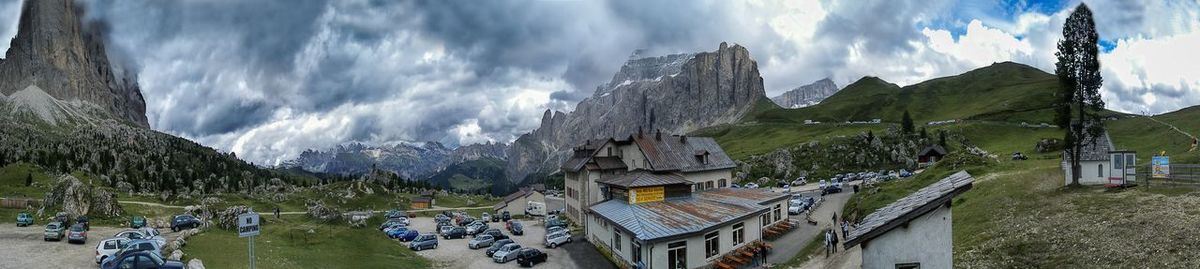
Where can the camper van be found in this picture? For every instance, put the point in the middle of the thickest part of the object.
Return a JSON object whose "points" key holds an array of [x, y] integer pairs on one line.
{"points": [[535, 209]]}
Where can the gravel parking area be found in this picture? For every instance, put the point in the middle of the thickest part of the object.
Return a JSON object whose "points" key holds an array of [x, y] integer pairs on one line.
{"points": [[454, 253], [23, 247]]}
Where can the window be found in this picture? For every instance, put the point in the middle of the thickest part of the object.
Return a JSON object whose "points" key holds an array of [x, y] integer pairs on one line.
{"points": [[610, 151], [778, 212], [637, 251], [616, 240], [698, 187], [739, 234], [1100, 170], [1116, 161], [912, 265], [677, 255], [708, 185], [712, 244], [764, 219], [721, 183]]}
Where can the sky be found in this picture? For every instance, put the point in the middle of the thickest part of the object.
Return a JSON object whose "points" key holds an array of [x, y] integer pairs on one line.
{"points": [[267, 79]]}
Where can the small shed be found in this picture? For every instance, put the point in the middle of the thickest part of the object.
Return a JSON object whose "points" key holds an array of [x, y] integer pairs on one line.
{"points": [[931, 154], [913, 232], [422, 203]]}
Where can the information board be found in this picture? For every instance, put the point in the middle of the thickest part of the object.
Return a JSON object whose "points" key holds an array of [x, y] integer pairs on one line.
{"points": [[1160, 166], [646, 194]]}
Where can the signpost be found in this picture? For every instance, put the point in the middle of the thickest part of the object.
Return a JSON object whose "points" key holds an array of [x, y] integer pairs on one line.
{"points": [[1161, 166], [248, 226]]}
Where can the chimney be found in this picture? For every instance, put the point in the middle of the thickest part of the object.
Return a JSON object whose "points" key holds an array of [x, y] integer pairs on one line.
{"points": [[683, 139], [639, 131], [658, 135]]}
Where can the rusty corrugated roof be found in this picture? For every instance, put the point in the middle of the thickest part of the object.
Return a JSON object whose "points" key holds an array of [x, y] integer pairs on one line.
{"points": [[643, 178], [680, 153], [914, 205], [696, 213]]}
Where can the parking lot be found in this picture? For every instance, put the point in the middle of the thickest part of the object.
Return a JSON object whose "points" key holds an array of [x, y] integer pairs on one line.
{"points": [[454, 253], [23, 247]]}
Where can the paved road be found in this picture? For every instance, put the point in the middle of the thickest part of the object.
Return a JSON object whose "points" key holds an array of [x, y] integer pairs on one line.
{"points": [[453, 253], [790, 244], [23, 247]]}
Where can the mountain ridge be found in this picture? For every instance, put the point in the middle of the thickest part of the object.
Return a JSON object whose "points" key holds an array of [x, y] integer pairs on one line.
{"points": [[806, 95]]}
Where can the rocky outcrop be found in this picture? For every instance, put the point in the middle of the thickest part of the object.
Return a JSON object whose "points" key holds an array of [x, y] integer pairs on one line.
{"points": [[409, 160], [195, 264], [317, 210], [227, 219], [79, 199], [56, 51], [806, 95], [674, 93]]}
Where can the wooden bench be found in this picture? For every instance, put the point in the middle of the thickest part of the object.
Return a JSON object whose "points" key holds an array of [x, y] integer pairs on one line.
{"points": [[740, 261], [722, 265]]}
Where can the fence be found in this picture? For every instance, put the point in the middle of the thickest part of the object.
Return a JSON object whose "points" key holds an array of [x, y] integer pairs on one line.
{"points": [[1181, 175]]}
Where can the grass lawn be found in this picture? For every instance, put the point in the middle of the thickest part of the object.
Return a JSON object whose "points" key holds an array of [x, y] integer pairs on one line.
{"points": [[743, 140], [13, 177], [287, 243]]}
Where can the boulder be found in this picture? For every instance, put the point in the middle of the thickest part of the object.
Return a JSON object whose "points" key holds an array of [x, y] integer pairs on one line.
{"points": [[227, 219], [1047, 145], [176, 255], [318, 210], [78, 199], [195, 264]]}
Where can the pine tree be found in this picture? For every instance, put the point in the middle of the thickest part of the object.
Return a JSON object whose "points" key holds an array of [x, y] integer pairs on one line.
{"points": [[1078, 70], [906, 124], [924, 135], [28, 179], [942, 138]]}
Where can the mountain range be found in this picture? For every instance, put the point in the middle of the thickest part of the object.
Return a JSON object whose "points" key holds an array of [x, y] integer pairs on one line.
{"points": [[409, 160], [806, 95]]}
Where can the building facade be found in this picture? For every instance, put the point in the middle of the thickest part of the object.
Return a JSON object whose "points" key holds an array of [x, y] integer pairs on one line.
{"points": [[913, 232]]}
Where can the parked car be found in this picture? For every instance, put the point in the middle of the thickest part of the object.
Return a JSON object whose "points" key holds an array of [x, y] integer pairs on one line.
{"points": [[735, 186], [131, 234], [831, 190], [423, 242], [506, 253], [142, 259], [556, 223], [481, 241], [77, 234], [557, 239], [87, 225], [495, 233], [396, 232], [24, 219], [184, 222], [443, 229], [496, 246], [486, 217], [389, 229], [466, 220], [137, 222], [476, 227], [905, 173], [556, 230], [751, 185], [132, 246], [108, 247], [64, 219], [530, 257], [394, 213], [505, 216], [456, 233], [516, 228], [408, 235], [153, 234], [389, 224], [787, 188], [54, 231], [821, 184]]}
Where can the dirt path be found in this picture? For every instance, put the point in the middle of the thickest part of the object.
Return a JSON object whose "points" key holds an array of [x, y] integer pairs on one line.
{"points": [[149, 204]]}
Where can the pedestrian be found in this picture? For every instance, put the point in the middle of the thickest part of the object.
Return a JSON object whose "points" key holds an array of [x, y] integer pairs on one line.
{"points": [[276, 212], [835, 240], [835, 217], [828, 244], [845, 228]]}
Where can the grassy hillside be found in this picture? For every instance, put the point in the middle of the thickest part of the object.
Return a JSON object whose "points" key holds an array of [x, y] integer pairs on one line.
{"points": [[1151, 136], [483, 175], [1001, 92]]}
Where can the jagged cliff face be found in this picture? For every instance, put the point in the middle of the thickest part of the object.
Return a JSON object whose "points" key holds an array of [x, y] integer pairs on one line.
{"points": [[806, 95], [676, 94], [56, 52], [411, 161]]}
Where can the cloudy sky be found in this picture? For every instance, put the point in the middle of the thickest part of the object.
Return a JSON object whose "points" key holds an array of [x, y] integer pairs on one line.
{"points": [[269, 78]]}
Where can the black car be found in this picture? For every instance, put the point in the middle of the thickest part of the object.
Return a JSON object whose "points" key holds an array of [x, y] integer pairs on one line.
{"points": [[831, 189], [64, 218], [83, 220], [505, 216], [516, 228], [456, 233], [465, 221], [495, 233], [496, 246], [555, 223], [528, 257], [184, 222]]}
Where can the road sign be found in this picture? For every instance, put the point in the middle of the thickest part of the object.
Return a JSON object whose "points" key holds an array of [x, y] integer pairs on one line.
{"points": [[248, 224], [1160, 166]]}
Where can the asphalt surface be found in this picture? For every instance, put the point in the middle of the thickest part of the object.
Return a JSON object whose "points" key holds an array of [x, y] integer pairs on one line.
{"points": [[454, 253], [790, 244], [23, 247]]}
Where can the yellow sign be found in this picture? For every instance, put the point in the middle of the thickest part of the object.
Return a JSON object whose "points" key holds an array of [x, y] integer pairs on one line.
{"points": [[647, 194]]}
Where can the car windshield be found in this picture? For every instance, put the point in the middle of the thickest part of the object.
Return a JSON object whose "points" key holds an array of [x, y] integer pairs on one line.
{"points": [[77, 228], [52, 226]]}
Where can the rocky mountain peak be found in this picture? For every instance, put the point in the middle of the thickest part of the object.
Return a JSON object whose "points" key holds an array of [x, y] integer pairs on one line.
{"points": [[807, 95], [56, 51]]}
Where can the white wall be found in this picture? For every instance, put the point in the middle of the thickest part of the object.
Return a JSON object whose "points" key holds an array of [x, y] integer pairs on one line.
{"points": [[713, 175], [1090, 175], [927, 240]]}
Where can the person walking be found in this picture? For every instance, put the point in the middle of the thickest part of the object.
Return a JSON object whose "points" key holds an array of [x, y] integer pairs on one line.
{"points": [[835, 217], [835, 240], [276, 212], [845, 228], [828, 244]]}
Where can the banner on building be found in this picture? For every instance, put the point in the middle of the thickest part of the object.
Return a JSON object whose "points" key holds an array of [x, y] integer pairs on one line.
{"points": [[645, 195]]}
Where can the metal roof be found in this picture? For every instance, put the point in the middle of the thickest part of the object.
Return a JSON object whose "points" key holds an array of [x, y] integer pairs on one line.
{"points": [[609, 162], [582, 154], [680, 153], [933, 148], [1095, 151], [910, 207], [643, 178], [697, 213]]}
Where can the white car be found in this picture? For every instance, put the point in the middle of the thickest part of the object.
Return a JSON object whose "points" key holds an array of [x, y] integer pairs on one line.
{"points": [[557, 239], [476, 227], [821, 184], [154, 234], [794, 209], [751, 186], [555, 230], [108, 247], [486, 217], [787, 188], [143, 234], [506, 253]]}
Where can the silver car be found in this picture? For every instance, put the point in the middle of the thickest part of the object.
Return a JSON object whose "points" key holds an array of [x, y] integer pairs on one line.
{"points": [[481, 241], [506, 253], [108, 247], [557, 239], [476, 227]]}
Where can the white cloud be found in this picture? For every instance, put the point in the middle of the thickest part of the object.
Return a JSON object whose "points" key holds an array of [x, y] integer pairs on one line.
{"points": [[1152, 75]]}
